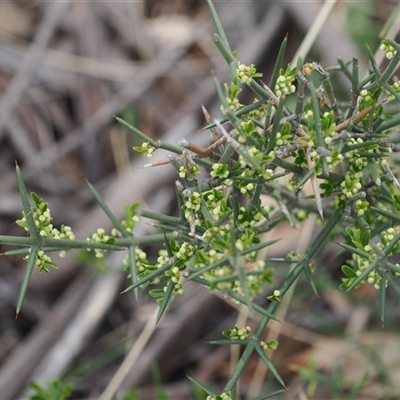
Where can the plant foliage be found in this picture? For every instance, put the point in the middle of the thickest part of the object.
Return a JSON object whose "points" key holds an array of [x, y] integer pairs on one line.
{"points": [[265, 148]]}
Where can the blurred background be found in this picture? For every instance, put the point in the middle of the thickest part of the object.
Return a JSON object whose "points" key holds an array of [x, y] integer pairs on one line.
{"points": [[66, 68]]}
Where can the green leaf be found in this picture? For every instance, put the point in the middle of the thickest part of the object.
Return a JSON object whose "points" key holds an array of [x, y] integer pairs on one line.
{"points": [[366, 237], [139, 149], [227, 332], [310, 279], [157, 293], [25, 204], [396, 201], [56, 390], [349, 272], [355, 236], [110, 240], [166, 301], [350, 232], [37, 200]]}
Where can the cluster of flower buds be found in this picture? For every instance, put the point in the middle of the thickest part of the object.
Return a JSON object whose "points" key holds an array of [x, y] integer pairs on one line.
{"points": [[388, 49]]}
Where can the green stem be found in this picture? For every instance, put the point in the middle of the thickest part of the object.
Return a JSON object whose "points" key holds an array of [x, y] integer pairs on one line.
{"points": [[291, 278]]}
